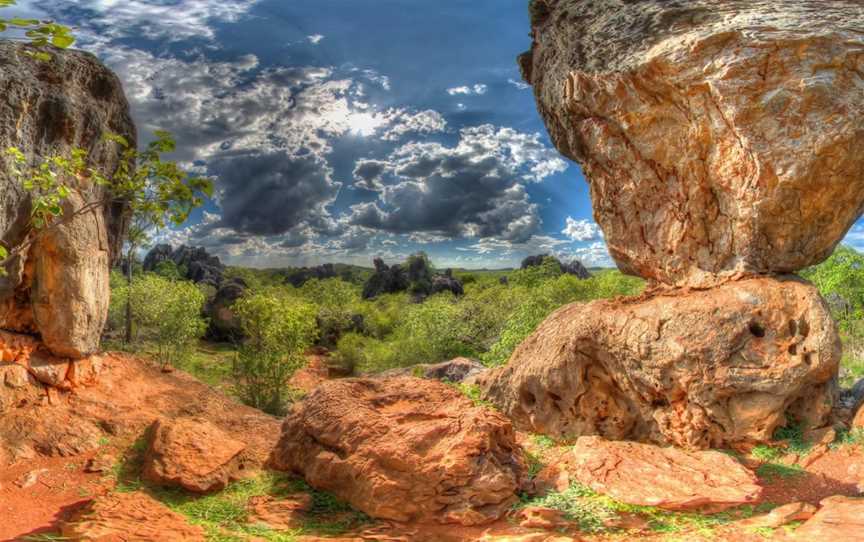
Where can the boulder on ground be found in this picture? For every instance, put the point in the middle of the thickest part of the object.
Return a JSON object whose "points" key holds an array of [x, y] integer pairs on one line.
{"points": [[700, 369], [780, 516], [455, 370], [193, 454], [573, 267], [717, 136], [404, 449], [223, 323], [58, 286], [129, 516], [858, 420], [839, 519], [668, 478]]}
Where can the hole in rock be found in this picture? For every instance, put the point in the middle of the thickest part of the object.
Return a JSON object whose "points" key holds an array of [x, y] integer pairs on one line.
{"points": [[554, 396], [528, 398], [756, 329], [793, 327], [808, 358], [803, 327], [793, 349]]}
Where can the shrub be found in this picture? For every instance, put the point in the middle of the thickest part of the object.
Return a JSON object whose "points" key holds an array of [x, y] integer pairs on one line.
{"points": [[278, 329], [334, 299], [167, 312]]}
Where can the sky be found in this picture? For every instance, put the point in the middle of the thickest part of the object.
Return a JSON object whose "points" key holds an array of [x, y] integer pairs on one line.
{"points": [[342, 130]]}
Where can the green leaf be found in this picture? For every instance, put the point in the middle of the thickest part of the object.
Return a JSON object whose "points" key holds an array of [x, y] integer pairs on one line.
{"points": [[62, 41], [23, 22]]}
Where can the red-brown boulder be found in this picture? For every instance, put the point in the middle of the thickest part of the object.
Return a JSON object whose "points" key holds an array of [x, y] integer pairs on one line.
{"points": [[404, 449], [668, 478]]}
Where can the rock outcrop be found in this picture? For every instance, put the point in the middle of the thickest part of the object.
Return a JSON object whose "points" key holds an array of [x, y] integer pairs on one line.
{"points": [[193, 454], [839, 519], [573, 267], [223, 323], [58, 287], [129, 516], [193, 263], [404, 449], [668, 478], [719, 140], [415, 276], [718, 137], [697, 369]]}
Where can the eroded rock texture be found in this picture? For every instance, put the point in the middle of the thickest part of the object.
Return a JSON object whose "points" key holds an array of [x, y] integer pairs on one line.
{"points": [[717, 136], [707, 480], [59, 287], [693, 368], [404, 449]]}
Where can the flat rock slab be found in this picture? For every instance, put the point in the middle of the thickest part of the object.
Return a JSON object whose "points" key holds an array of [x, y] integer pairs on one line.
{"points": [[129, 516], [193, 454], [840, 519], [668, 478], [404, 449], [697, 369]]}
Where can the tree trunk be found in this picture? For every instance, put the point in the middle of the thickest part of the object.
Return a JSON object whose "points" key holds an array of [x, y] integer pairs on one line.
{"points": [[129, 254]]}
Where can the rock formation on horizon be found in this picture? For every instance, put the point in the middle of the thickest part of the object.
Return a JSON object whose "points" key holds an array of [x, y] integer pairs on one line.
{"points": [[721, 142], [58, 289]]}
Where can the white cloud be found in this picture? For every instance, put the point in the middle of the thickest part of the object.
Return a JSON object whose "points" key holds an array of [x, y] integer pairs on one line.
{"points": [[170, 21], [476, 90], [521, 85], [594, 255], [581, 230], [315, 39]]}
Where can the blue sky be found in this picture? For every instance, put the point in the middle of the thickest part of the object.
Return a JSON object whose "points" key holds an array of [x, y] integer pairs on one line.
{"points": [[340, 130]]}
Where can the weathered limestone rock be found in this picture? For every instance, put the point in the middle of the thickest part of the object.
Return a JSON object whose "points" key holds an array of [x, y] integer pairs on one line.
{"points": [[692, 368], [59, 287], [780, 516], [129, 516], [404, 449], [718, 136], [840, 519], [669, 478], [193, 454]]}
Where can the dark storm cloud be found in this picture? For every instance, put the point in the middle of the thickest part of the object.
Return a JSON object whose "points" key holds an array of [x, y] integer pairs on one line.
{"points": [[271, 193], [473, 189]]}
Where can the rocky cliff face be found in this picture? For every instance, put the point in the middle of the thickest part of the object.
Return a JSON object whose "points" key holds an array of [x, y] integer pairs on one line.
{"points": [[718, 136], [721, 140], [59, 287]]}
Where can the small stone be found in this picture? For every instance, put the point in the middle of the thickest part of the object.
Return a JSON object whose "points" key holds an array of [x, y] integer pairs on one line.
{"points": [[16, 376], [29, 479], [49, 370], [100, 463], [782, 515], [538, 517], [284, 513]]}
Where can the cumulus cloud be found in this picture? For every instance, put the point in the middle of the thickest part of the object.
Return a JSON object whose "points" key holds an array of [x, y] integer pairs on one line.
{"points": [[581, 230], [473, 189], [475, 90], [315, 39], [594, 255], [170, 21], [521, 85]]}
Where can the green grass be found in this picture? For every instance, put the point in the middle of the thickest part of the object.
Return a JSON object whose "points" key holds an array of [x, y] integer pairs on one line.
{"points": [[774, 471], [473, 392], [851, 370], [224, 515], [593, 512], [854, 437], [543, 442]]}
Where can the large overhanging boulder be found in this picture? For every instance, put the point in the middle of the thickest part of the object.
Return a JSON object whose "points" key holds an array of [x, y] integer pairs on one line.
{"points": [[693, 368], [59, 287], [717, 136]]}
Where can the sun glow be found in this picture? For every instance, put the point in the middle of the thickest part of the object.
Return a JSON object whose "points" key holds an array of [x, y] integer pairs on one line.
{"points": [[364, 124]]}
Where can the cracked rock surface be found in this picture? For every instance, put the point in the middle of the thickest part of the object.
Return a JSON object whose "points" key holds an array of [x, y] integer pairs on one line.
{"points": [[717, 136]]}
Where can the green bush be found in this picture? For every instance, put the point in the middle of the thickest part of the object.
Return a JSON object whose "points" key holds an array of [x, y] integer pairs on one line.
{"points": [[166, 312], [548, 295], [334, 299], [278, 329]]}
